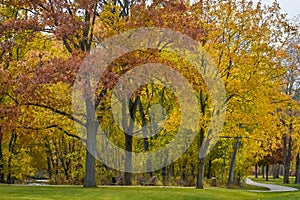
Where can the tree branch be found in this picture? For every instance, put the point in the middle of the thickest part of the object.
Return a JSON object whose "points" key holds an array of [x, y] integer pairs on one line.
{"points": [[59, 128], [69, 116]]}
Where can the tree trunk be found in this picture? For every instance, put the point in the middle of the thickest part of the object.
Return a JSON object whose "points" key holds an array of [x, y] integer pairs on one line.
{"points": [[128, 144], [1, 158], [230, 177], [201, 162], [276, 169], [183, 172], [263, 171], [297, 180], [90, 171], [256, 174], [200, 174], [208, 175], [128, 160], [284, 157], [267, 172], [11, 149], [287, 159], [145, 135], [91, 127], [164, 176]]}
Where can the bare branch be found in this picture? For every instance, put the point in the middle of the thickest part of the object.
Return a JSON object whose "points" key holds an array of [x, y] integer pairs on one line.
{"points": [[69, 116]]}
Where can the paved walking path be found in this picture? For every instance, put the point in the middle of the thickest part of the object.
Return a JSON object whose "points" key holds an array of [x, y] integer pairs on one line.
{"points": [[272, 187]]}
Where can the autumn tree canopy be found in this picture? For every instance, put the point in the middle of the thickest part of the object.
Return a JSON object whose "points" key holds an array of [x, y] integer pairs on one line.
{"points": [[45, 42]]}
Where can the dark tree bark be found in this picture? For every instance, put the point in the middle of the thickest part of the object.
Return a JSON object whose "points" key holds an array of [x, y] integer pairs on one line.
{"points": [[91, 127], [230, 177], [92, 124], [11, 149], [263, 171], [164, 175], [287, 155], [1, 158], [208, 175], [90, 178], [200, 174], [128, 160], [267, 171], [256, 174], [201, 158], [297, 180], [145, 135], [128, 144], [285, 178], [201, 163]]}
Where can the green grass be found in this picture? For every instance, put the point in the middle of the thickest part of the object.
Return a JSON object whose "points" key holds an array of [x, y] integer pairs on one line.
{"points": [[277, 181], [134, 193], [252, 187]]}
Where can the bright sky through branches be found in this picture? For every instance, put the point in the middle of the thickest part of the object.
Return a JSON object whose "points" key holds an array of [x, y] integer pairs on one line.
{"points": [[291, 7]]}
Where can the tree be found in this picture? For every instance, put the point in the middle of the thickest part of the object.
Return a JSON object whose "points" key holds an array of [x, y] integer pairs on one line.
{"points": [[40, 78], [291, 87], [70, 22], [241, 41]]}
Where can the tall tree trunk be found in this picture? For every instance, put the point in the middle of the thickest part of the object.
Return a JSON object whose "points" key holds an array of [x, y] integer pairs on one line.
{"points": [[1, 158], [276, 169], [200, 174], [297, 180], [201, 162], [90, 172], [263, 171], [145, 135], [201, 156], [128, 144], [164, 175], [92, 124], [284, 138], [11, 149], [267, 171], [91, 127], [230, 177], [256, 174], [128, 160], [288, 158]]}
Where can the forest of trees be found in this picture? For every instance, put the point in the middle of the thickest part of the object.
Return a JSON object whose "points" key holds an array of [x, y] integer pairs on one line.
{"points": [[43, 44]]}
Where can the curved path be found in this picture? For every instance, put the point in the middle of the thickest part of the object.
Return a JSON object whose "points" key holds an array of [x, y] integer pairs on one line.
{"points": [[272, 187]]}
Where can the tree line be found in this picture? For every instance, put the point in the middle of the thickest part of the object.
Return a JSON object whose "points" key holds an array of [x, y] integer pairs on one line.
{"points": [[44, 43]]}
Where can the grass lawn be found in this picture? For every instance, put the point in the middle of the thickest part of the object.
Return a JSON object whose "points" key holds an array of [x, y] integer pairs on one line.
{"points": [[134, 193], [277, 181]]}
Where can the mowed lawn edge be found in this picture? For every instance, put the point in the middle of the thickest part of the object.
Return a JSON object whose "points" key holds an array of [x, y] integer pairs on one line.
{"points": [[134, 193]]}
